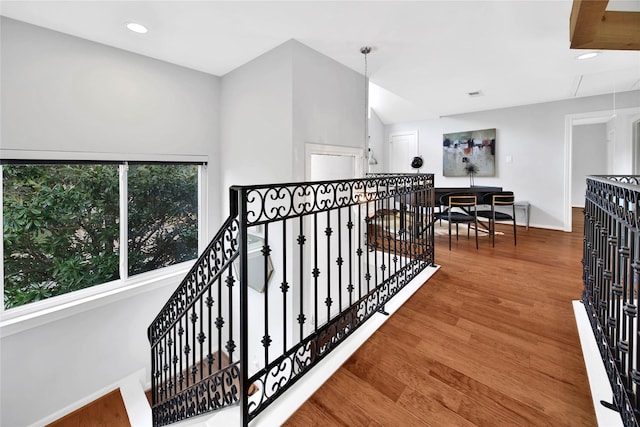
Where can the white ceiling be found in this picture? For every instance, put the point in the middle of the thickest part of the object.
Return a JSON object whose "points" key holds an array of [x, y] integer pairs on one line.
{"points": [[427, 55]]}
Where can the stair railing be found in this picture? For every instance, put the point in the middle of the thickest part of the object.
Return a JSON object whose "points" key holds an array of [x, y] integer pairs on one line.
{"points": [[611, 278], [304, 266], [193, 339]]}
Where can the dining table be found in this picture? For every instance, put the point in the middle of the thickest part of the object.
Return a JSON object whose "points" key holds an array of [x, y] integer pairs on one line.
{"points": [[477, 190]]}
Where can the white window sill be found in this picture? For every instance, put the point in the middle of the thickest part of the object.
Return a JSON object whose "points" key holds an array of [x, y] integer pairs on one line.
{"points": [[42, 312]]}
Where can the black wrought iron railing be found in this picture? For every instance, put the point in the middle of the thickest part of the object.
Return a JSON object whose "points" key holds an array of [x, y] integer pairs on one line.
{"points": [[295, 270], [611, 276]]}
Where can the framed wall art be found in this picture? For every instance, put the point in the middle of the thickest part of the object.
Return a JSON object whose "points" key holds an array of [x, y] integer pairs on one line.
{"points": [[471, 153]]}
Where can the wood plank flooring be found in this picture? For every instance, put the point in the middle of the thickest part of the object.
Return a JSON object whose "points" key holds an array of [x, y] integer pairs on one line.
{"points": [[107, 411], [490, 340]]}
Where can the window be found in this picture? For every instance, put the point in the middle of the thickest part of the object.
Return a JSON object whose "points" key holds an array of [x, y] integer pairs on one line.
{"points": [[162, 216], [64, 230]]}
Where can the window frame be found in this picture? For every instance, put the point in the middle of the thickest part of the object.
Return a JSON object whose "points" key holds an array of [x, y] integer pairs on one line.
{"points": [[33, 314]]}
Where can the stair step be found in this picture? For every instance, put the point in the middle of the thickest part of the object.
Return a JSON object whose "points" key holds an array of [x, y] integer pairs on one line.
{"points": [[108, 410]]}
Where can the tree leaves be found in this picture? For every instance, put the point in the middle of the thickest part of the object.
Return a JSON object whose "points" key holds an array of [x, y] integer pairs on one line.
{"points": [[61, 225]]}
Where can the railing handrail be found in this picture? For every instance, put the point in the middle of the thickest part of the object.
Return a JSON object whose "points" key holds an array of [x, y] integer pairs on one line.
{"points": [[360, 191], [630, 182], [224, 229]]}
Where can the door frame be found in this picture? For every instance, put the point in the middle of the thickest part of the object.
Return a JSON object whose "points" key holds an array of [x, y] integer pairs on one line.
{"points": [[311, 148]]}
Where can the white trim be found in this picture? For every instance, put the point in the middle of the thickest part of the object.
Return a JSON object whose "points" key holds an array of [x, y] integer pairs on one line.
{"points": [[113, 157], [597, 374], [135, 400], [136, 411], [202, 208], [35, 314], [311, 148], [124, 221]]}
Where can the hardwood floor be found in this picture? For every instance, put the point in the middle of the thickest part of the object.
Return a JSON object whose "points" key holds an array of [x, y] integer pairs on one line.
{"points": [[490, 340]]}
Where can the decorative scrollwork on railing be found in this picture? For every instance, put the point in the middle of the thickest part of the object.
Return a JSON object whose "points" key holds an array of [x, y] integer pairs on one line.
{"points": [[279, 202], [213, 261], [360, 268], [217, 391]]}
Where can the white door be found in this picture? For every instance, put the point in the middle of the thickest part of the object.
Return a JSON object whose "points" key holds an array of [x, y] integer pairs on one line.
{"points": [[403, 148], [329, 167]]}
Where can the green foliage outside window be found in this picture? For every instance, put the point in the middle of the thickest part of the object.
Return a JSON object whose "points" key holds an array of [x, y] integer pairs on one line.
{"points": [[61, 225], [163, 222]]}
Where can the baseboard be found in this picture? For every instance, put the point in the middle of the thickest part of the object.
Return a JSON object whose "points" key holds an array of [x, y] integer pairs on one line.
{"points": [[598, 379], [125, 385]]}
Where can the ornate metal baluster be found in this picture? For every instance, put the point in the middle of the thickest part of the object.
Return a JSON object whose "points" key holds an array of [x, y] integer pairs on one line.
{"points": [[266, 338], [361, 235], [210, 301], [201, 339], [284, 287], [350, 252], [328, 231], [316, 271], [339, 261], [301, 240], [175, 359], [231, 345]]}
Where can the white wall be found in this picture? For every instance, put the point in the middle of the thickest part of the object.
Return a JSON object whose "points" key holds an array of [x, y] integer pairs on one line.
{"points": [[328, 104], [62, 93], [532, 135], [270, 108], [589, 158], [619, 128], [376, 142], [256, 121]]}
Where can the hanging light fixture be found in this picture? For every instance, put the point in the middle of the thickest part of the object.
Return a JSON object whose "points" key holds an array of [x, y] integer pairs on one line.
{"points": [[365, 50], [372, 160]]}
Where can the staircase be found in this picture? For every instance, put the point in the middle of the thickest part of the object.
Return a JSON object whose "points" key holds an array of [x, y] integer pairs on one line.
{"points": [[287, 309]]}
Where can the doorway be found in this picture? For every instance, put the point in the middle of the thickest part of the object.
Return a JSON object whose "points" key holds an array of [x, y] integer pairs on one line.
{"points": [[324, 163], [630, 115]]}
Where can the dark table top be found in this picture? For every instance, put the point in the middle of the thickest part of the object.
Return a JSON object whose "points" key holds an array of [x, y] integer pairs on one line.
{"points": [[477, 190]]}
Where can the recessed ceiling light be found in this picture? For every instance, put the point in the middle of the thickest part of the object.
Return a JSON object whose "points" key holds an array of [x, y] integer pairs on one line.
{"points": [[588, 55], [137, 28]]}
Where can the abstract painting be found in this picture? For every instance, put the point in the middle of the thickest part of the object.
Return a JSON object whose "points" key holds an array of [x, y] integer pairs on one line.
{"points": [[469, 151]]}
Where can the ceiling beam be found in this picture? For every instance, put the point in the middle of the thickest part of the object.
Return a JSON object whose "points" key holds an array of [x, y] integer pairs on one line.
{"points": [[593, 27]]}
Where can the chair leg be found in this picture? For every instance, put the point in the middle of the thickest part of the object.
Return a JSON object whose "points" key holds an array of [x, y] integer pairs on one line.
{"points": [[476, 233], [493, 230], [514, 226], [449, 222]]}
